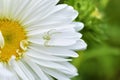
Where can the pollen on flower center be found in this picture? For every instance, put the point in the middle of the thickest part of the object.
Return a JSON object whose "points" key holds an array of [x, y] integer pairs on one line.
{"points": [[13, 40]]}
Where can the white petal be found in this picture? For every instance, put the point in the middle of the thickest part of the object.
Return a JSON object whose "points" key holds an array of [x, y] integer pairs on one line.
{"points": [[67, 35], [42, 56], [67, 14], [48, 64], [37, 70], [57, 37], [53, 42], [61, 42], [79, 45], [22, 7], [57, 8], [18, 70], [79, 26], [56, 74], [54, 51], [39, 10], [32, 30], [5, 74], [17, 7], [4, 8], [26, 71], [58, 66], [60, 29], [1, 7], [72, 70]]}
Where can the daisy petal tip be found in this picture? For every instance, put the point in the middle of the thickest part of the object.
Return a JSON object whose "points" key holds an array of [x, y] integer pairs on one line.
{"points": [[84, 45], [74, 12], [76, 55], [78, 26]]}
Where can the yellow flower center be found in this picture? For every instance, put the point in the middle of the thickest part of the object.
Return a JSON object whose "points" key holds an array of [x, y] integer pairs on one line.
{"points": [[13, 40]]}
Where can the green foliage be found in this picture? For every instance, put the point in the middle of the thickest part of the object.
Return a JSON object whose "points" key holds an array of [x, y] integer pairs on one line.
{"points": [[101, 61], [103, 65], [113, 12]]}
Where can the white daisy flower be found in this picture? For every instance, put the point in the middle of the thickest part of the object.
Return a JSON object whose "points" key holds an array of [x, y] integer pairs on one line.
{"points": [[37, 39]]}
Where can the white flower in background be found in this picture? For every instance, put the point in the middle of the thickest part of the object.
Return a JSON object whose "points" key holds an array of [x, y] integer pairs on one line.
{"points": [[37, 39]]}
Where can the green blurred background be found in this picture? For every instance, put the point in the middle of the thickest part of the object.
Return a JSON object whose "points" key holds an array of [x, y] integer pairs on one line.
{"points": [[101, 60]]}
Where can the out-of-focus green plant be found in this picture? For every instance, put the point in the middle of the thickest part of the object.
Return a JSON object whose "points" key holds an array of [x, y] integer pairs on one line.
{"points": [[101, 61], [113, 15], [103, 65], [113, 11]]}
